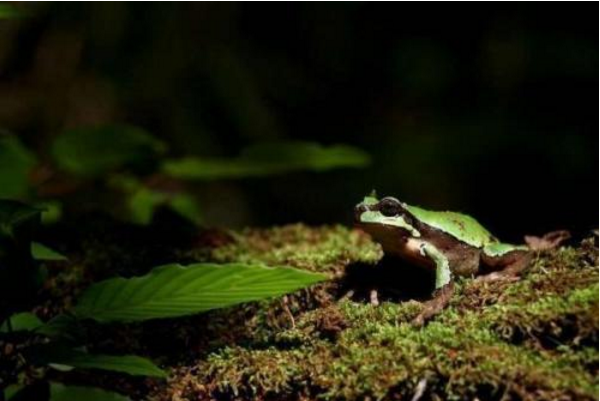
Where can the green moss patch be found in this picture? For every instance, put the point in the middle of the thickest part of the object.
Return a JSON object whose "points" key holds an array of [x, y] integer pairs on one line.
{"points": [[531, 339], [534, 339]]}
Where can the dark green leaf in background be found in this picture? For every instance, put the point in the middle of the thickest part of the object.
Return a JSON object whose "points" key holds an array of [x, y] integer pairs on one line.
{"points": [[16, 162], [93, 151], [142, 202], [42, 252], [175, 290], [24, 321], [9, 11], [268, 159]]}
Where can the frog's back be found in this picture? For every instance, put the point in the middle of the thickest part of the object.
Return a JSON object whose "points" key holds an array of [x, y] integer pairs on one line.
{"points": [[461, 226]]}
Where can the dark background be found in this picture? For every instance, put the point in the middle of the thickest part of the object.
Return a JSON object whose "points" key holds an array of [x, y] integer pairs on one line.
{"points": [[488, 109]]}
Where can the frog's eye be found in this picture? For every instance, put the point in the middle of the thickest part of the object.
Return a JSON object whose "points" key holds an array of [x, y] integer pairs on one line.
{"points": [[390, 207]]}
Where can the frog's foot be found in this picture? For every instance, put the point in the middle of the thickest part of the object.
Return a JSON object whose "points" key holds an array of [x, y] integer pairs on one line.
{"points": [[434, 306], [374, 298], [510, 272], [548, 241]]}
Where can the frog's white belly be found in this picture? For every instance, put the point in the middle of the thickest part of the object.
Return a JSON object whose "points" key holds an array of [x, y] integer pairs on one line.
{"points": [[410, 250]]}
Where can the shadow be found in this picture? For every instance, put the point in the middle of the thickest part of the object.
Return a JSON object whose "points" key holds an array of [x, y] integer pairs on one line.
{"points": [[394, 279]]}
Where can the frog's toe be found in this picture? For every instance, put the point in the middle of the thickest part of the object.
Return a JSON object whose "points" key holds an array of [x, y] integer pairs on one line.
{"points": [[374, 298]]}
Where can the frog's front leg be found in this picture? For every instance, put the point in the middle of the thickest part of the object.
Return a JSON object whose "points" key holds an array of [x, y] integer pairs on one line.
{"points": [[444, 287]]}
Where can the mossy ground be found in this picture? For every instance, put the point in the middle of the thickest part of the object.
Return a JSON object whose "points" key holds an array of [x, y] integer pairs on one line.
{"points": [[534, 339]]}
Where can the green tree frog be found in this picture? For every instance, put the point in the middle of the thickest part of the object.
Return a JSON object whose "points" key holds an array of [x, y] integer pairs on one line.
{"points": [[449, 242]]}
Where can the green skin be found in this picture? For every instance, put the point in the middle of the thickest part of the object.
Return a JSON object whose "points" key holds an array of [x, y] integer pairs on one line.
{"points": [[449, 242]]}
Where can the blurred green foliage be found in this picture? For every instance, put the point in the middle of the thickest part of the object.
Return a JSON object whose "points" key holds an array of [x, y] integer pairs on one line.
{"points": [[8, 11], [16, 162], [453, 109], [98, 151], [128, 160], [268, 159]]}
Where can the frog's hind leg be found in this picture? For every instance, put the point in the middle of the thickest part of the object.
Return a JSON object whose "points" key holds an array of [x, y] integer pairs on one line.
{"points": [[444, 287], [508, 261]]}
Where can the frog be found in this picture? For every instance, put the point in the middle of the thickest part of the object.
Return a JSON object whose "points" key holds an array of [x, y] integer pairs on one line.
{"points": [[450, 243]]}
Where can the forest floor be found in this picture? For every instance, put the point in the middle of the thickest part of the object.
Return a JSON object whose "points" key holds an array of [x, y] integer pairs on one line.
{"points": [[533, 339]]}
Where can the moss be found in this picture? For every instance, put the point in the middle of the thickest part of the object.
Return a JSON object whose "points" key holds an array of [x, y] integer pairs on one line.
{"points": [[535, 339], [324, 249], [532, 339]]}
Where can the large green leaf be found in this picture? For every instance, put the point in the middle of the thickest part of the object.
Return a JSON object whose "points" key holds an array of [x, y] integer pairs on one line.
{"points": [[94, 151], [16, 162], [65, 356], [60, 392], [268, 159], [175, 290]]}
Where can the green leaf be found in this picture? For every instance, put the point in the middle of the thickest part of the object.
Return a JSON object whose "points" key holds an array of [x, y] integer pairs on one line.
{"points": [[60, 392], [52, 211], [186, 206], [94, 151], [268, 159], [16, 162], [143, 202], [42, 252], [25, 321], [60, 354], [175, 290]]}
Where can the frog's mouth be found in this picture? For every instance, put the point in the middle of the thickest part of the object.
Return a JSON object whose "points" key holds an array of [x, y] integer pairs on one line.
{"points": [[373, 221]]}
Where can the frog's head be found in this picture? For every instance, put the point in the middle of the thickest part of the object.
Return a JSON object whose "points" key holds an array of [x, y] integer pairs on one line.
{"points": [[386, 219]]}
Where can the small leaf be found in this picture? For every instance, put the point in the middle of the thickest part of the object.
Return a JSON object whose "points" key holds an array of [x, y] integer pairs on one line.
{"points": [[143, 203], [175, 290], [94, 151], [268, 159], [186, 206], [42, 252], [16, 162], [51, 211], [60, 392], [25, 321], [59, 354]]}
